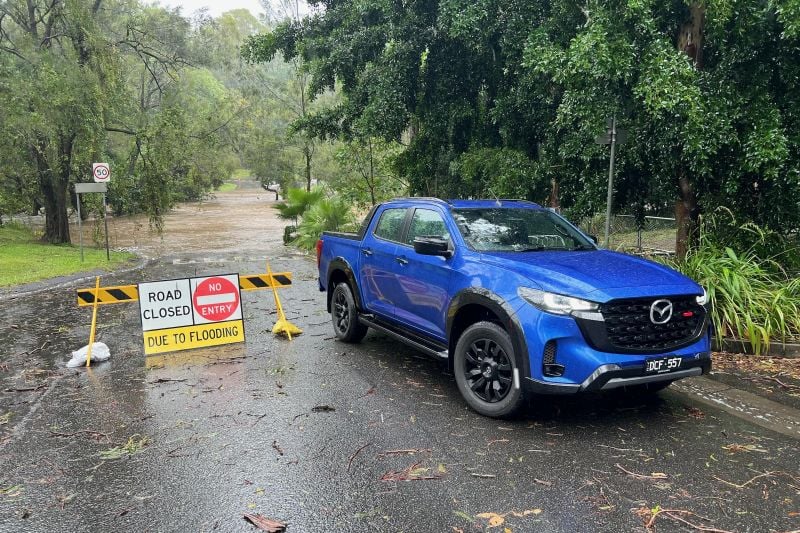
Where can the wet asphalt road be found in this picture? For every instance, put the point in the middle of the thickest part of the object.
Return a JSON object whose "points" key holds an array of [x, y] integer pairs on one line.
{"points": [[219, 432]]}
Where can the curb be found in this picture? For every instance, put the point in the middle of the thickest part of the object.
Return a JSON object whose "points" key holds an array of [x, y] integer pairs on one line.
{"points": [[775, 348], [742, 404]]}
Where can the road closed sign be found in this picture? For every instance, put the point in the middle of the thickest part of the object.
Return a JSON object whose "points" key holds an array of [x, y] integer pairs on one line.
{"points": [[190, 313]]}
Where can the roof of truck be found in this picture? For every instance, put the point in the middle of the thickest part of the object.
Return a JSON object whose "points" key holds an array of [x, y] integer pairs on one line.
{"points": [[465, 204]]}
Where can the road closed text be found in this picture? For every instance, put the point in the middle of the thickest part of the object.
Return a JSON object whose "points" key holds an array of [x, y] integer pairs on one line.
{"points": [[187, 337]]}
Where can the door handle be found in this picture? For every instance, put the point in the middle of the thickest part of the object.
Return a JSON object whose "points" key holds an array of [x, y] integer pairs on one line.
{"points": [[366, 251], [402, 260]]}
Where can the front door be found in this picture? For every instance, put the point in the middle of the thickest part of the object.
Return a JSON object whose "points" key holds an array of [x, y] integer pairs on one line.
{"points": [[424, 280]]}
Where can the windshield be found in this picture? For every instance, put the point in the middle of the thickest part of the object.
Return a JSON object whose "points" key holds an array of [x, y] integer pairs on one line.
{"points": [[517, 230]]}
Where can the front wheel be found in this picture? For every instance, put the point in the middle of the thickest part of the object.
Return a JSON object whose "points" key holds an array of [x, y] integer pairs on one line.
{"points": [[484, 365], [345, 315]]}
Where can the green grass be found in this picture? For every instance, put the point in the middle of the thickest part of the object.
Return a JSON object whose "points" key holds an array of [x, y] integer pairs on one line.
{"points": [[240, 174], [24, 259], [227, 187]]}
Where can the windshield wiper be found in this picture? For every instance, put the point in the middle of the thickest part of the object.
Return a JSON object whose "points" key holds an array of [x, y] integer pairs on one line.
{"points": [[584, 247], [539, 248]]}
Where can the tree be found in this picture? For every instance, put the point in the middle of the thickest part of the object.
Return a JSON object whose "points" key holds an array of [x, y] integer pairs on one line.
{"points": [[708, 92]]}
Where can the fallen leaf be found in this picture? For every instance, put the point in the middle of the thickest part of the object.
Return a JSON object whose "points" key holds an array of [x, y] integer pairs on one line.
{"points": [[322, 409], [265, 524], [694, 412], [495, 519], [441, 469], [526, 512]]}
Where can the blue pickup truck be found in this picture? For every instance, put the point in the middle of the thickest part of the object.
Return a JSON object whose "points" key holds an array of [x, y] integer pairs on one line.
{"points": [[517, 301]]}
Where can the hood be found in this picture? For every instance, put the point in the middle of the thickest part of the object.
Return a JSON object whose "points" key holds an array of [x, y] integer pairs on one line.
{"points": [[598, 275]]}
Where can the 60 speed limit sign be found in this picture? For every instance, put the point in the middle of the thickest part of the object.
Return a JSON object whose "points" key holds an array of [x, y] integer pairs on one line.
{"points": [[101, 172]]}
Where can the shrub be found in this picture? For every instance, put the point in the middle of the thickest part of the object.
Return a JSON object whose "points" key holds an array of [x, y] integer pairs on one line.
{"points": [[753, 299], [327, 214]]}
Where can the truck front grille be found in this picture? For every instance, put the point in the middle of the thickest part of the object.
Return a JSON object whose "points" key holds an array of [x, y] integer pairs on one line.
{"points": [[629, 326]]}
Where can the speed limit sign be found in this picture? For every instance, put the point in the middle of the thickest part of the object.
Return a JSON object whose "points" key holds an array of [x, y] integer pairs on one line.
{"points": [[101, 172]]}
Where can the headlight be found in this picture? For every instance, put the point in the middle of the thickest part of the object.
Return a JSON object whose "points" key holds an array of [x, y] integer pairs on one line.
{"points": [[703, 299], [555, 303]]}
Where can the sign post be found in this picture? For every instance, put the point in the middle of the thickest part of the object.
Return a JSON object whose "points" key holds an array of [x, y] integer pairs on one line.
{"points": [[101, 172], [612, 136], [82, 188]]}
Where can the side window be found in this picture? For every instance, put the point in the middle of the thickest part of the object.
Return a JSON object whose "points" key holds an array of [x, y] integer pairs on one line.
{"points": [[391, 224], [427, 223]]}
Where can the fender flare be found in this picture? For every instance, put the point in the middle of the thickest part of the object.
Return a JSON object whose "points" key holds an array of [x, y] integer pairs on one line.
{"points": [[504, 312], [341, 264]]}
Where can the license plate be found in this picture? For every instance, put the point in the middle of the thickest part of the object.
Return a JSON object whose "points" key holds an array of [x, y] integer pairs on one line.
{"points": [[662, 365]]}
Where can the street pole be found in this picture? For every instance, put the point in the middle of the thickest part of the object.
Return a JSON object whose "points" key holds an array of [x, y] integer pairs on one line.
{"points": [[80, 227], [613, 133], [105, 218]]}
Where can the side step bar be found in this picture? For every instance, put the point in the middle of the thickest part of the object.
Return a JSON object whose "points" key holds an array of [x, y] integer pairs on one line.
{"points": [[410, 339]]}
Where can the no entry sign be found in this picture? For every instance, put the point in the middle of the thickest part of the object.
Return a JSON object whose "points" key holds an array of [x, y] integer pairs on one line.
{"points": [[190, 313], [216, 299]]}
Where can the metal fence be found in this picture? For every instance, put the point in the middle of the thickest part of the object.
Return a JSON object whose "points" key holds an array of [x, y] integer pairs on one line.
{"points": [[656, 236]]}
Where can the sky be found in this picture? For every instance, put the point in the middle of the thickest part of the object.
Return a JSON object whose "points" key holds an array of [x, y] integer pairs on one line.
{"points": [[215, 7]]}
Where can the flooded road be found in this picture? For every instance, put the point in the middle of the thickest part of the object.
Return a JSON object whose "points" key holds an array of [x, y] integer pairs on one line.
{"points": [[332, 437]]}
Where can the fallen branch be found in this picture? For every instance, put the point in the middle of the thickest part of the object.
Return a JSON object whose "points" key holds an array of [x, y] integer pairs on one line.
{"points": [[350, 462], [411, 473], [277, 448], [671, 513], [27, 389], [94, 435], [409, 451], [656, 475], [743, 485]]}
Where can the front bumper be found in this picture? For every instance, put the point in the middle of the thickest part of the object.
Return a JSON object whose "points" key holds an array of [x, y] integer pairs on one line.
{"points": [[613, 376], [588, 369]]}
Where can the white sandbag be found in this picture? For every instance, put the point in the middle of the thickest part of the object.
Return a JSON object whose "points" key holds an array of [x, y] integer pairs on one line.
{"points": [[100, 352]]}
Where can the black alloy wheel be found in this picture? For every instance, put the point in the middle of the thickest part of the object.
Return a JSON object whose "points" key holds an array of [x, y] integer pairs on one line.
{"points": [[345, 315], [484, 365], [488, 370]]}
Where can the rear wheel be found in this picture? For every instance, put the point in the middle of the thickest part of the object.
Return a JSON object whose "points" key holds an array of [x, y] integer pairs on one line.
{"points": [[484, 364], [345, 315]]}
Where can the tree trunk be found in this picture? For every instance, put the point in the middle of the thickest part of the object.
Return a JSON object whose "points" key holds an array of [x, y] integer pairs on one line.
{"points": [[54, 186], [686, 216], [690, 42], [307, 154]]}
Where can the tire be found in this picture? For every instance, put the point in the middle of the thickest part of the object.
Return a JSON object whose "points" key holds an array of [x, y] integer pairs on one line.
{"points": [[344, 315], [483, 363]]}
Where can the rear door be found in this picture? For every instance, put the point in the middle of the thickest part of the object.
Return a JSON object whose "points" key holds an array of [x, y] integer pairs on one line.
{"points": [[379, 285], [424, 280]]}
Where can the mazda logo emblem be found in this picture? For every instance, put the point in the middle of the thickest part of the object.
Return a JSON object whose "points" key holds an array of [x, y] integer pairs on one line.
{"points": [[660, 311]]}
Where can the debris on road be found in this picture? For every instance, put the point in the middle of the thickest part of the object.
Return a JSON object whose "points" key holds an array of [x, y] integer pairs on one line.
{"points": [[350, 462], [100, 352], [265, 524], [322, 409], [277, 448], [413, 472]]}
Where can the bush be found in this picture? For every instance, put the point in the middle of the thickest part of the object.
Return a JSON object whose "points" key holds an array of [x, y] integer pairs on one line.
{"points": [[753, 299], [327, 214]]}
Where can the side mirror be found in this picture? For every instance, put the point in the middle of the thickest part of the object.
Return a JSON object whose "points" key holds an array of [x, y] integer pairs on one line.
{"points": [[594, 238], [432, 246]]}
